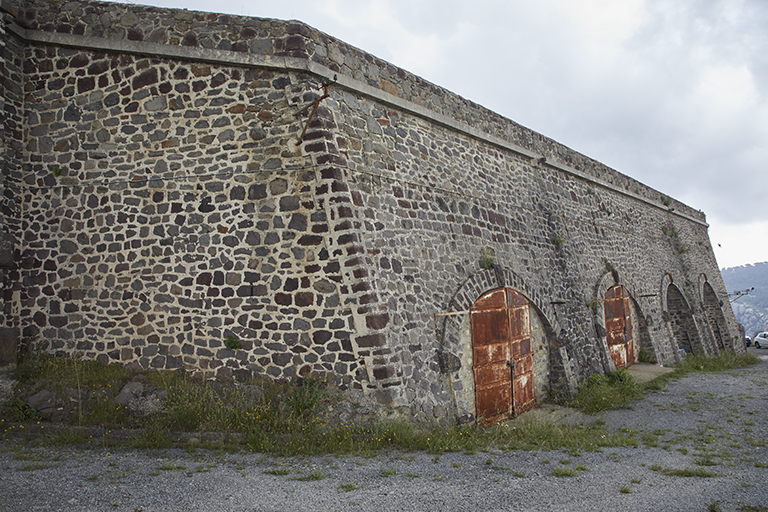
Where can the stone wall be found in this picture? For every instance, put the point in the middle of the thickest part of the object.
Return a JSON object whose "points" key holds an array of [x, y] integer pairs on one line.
{"points": [[11, 133], [243, 197]]}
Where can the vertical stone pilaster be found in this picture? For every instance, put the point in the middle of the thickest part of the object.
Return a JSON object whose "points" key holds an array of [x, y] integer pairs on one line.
{"points": [[369, 342]]}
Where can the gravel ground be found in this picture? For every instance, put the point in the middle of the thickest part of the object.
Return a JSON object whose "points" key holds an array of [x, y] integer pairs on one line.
{"points": [[712, 422]]}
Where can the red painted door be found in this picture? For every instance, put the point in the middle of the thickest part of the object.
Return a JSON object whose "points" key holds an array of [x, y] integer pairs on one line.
{"points": [[502, 359], [618, 324]]}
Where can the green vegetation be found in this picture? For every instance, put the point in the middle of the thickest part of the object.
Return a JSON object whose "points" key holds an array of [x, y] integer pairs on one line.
{"points": [[603, 392], [290, 418], [61, 374], [309, 477], [683, 472], [486, 258], [232, 343], [643, 356], [388, 472]]}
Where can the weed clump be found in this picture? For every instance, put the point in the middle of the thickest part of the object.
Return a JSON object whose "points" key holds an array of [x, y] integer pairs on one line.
{"points": [[602, 392]]}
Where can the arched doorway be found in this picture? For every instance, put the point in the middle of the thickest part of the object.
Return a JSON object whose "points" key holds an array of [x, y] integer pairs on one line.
{"points": [[618, 326], [681, 321], [502, 361]]}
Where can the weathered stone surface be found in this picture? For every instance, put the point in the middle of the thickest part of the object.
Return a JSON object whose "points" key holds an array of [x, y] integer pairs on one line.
{"points": [[130, 391], [42, 400], [168, 204]]}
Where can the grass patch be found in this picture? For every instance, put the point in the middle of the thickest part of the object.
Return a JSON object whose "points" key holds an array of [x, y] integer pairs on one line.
{"points": [[59, 374], [650, 440], [348, 486], [283, 418], [287, 418], [152, 438], [66, 437], [564, 471], [310, 477], [698, 472], [388, 472], [726, 361], [603, 392]]}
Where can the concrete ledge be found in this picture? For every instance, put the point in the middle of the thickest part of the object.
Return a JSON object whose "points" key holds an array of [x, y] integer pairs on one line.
{"points": [[645, 372]]}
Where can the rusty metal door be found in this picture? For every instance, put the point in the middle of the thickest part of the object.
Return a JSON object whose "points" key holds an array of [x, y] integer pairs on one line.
{"points": [[618, 324], [522, 357], [502, 359]]}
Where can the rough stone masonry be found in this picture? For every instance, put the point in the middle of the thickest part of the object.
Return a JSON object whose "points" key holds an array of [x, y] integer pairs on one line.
{"points": [[241, 197]]}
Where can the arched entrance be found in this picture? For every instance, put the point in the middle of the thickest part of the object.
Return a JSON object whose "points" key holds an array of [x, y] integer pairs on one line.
{"points": [[502, 361], [682, 323], [618, 326]]}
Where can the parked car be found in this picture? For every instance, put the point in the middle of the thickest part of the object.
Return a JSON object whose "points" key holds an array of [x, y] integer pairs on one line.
{"points": [[747, 341], [761, 340]]}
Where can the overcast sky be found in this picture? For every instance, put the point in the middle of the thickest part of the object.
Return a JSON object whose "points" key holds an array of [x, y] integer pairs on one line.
{"points": [[672, 93]]}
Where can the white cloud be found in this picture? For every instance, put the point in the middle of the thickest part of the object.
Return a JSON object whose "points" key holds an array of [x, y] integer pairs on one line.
{"points": [[739, 244]]}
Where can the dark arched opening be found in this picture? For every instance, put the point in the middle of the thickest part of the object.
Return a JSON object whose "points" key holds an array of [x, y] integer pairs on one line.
{"points": [[681, 320]]}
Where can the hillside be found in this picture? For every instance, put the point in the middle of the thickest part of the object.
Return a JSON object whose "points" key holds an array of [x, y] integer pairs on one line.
{"points": [[752, 310]]}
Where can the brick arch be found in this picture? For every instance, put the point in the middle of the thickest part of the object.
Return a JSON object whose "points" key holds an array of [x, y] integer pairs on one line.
{"points": [[611, 279], [486, 280]]}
